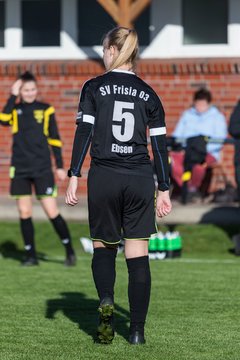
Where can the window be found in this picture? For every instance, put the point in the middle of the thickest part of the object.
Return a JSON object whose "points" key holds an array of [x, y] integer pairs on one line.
{"points": [[41, 22], [142, 24], [94, 22], [205, 22], [2, 22]]}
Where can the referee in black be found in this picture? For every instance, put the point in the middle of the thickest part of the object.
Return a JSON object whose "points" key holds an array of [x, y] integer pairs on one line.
{"points": [[34, 130], [115, 112]]}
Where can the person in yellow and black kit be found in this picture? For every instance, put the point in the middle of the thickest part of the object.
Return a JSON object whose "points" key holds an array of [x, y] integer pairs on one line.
{"points": [[34, 128]]}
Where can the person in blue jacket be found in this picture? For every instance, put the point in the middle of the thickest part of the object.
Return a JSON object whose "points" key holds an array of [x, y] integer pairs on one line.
{"points": [[204, 119]]}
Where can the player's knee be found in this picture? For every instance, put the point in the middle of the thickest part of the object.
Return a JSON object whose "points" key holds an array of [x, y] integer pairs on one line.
{"points": [[52, 214], [25, 212]]}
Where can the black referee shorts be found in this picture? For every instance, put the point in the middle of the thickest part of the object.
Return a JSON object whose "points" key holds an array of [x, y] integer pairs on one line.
{"points": [[120, 206], [43, 185]]}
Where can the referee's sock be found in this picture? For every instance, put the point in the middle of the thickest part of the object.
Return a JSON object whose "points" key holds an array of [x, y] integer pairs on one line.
{"points": [[139, 287], [103, 270], [61, 229], [27, 230]]}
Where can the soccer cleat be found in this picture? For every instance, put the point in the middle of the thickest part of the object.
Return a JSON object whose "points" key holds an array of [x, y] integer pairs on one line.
{"points": [[30, 261], [70, 260], [136, 338], [105, 330]]}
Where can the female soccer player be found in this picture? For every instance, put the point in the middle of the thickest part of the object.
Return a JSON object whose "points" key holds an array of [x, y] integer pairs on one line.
{"points": [[34, 128], [114, 113]]}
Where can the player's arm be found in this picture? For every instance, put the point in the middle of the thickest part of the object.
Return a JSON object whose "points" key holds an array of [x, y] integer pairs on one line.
{"points": [[157, 131], [81, 144], [159, 148], [6, 116], [82, 139], [85, 121], [160, 154], [54, 139]]}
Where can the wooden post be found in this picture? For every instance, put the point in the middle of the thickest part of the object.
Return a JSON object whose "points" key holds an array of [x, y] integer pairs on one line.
{"points": [[126, 11], [124, 7]]}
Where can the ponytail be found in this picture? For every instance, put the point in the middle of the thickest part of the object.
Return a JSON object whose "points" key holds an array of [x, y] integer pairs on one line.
{"points": [[126, 41]]}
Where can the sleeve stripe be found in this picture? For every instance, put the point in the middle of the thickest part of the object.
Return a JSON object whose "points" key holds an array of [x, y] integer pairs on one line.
{"points": [[55, 142], [89, 119], [5, 117], [158, 131]]}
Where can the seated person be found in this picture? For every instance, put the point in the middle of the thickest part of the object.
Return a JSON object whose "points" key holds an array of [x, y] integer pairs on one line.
{"points": [[201, 119]]}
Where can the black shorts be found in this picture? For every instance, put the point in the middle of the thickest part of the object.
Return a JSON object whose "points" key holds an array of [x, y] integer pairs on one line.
{"points": [[120, 206], [43, 185]]}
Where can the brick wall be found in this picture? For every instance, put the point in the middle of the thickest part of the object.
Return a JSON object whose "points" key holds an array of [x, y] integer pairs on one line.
{"points": [[174, 80]]}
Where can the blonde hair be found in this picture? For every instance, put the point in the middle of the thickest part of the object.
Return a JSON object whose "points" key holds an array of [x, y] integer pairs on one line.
{"points": [[126, 42]]}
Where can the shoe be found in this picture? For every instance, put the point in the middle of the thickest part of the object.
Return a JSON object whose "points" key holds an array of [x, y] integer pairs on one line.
{"points": [[30, 261], [105, 330], [136, 337], [70, 260]]}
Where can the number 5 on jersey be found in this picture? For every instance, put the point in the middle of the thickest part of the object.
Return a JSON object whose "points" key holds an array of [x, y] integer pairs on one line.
{"points": [[125, 129]]}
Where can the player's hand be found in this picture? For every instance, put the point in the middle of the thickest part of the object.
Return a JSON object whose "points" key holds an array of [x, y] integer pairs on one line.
{"points": [[71, 193], [164, 205], [16, 87], [61, 174]]}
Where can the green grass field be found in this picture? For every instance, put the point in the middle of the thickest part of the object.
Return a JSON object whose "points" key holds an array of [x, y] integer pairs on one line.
{"points": [[49, 312]]}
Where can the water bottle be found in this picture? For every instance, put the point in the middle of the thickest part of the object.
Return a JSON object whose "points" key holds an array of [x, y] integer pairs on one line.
{"points": [[173, 244], [169, 244], [178, 244], [152, 246], [161, 246]]}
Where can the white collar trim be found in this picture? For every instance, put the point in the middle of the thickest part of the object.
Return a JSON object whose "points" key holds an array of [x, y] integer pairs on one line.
{"points": [[123, 71]]}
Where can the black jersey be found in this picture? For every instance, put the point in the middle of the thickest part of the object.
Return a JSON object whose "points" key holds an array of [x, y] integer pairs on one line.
{"points": [[119, 107], [33, 128]]}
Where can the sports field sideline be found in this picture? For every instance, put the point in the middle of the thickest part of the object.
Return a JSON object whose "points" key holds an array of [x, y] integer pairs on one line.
{"points": [[189, 214], [49, 312]]}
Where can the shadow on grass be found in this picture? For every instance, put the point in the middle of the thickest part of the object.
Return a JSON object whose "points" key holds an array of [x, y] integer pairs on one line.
{"points": [[9, 250], [83, 311]]}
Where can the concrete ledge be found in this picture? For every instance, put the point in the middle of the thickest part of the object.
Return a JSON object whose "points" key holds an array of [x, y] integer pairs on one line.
{"points": [[8, 210], [220, 214]]}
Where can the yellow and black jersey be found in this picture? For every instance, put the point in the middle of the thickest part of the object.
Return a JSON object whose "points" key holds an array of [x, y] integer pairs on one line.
{"points": [[34, 128]]}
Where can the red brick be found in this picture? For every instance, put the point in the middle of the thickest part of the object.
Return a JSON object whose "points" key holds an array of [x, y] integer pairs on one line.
{"points": [[174, 80]]}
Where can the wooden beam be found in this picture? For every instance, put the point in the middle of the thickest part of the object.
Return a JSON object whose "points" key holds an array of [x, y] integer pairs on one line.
{"points": [[125, 11], [137, 7], [111, 8]]}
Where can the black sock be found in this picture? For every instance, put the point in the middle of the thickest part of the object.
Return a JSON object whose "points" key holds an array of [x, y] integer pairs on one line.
{"points": [[62, 230], [103, 270], [139, 288], [27, 230]]}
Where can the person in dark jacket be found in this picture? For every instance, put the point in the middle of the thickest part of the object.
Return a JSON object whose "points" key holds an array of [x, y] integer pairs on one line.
{"points": [[34, 130], [234, 131]]}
